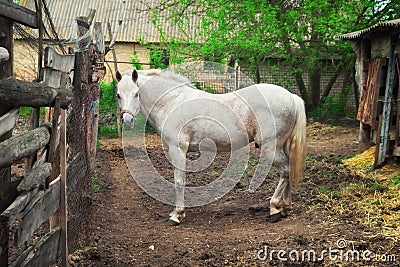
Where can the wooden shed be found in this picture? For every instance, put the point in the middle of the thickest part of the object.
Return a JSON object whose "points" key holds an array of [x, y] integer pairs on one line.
{"points": [[377, 49]]}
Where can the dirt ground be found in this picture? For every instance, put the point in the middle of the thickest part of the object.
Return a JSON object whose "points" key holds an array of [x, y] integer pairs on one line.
{"points": [[128, 227]]}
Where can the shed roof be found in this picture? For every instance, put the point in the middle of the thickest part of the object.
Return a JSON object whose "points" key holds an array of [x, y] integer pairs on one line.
{"points": [[384, 26], [136, 17]]}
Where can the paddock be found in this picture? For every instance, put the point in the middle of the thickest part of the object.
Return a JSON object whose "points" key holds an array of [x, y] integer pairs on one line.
{"points": [[129, 227], [346, 213]]}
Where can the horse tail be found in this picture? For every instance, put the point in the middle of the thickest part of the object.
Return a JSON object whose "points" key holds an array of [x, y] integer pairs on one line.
{"points": [[297, 143]]}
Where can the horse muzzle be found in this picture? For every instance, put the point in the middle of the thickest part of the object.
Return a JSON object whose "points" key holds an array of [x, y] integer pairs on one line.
{"points": [[129, 122]]}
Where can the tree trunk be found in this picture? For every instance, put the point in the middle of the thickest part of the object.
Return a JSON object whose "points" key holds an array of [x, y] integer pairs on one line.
{"points": [[303, 90], [258, 77], [315, 82]]}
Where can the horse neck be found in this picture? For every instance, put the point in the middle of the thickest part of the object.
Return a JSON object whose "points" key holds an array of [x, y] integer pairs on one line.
{"points": [[153, 88], [149, 95]]}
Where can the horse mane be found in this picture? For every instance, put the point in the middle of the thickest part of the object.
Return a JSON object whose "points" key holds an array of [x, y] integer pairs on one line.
{"points": [[166, 74]]}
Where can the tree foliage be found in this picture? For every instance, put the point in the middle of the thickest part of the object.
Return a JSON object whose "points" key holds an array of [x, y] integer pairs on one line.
{"points": [[300, 31]]}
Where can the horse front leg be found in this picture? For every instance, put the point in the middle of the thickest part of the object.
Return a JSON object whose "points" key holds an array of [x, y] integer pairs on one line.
{"points": [[176, 216], [178, 157]]}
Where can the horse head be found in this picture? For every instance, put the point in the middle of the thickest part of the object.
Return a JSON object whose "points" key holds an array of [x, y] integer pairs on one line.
{"points": [[128, 97]]}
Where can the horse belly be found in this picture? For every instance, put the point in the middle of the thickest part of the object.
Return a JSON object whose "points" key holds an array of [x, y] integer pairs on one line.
{"points": [[218, 141]]}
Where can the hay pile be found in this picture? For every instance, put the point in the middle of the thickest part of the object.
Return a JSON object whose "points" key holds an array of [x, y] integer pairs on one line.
{"points": [[375, 199]]}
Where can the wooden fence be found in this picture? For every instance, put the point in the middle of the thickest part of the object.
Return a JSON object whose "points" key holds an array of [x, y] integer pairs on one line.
{"points": [[25, 199], [58, 158]]}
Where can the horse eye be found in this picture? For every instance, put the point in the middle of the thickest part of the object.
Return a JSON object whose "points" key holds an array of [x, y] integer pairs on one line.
{"points": [[136, 94], [118, 96]]}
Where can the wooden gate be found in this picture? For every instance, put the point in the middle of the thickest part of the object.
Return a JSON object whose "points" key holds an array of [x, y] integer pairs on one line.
{"points": [[41, 194]]}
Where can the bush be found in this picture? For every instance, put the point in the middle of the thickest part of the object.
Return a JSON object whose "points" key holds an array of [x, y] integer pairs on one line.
{"points": [[331, 108], [108, 98]]}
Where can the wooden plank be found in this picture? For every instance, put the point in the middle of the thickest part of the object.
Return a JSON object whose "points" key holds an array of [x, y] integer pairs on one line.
{"points": [[55, 61], [18, 205], [63, 191], [20, 259], [99, 37], [8, 193], [35, 213], [368, 104], [35, 177], [387, 104], [52, 77], [18, 13], [31, 94], [52, 158], [396, 151], [35, 116], [7, 121], [4, 236], [378, 142], [20, 146], [44, 253], [34, 123], [55, 157]]}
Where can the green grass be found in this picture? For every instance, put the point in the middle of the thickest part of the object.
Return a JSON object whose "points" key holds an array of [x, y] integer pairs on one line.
{"points": [[110, 131], [378, 187], [326, 190], [396, 180], [25, 112], [94, 185]]}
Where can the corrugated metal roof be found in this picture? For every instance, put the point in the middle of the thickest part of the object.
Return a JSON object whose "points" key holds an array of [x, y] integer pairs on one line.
{"points": [[381, 26], [136, 17]]}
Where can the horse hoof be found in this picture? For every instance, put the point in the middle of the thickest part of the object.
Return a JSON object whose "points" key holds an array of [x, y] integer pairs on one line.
{"points": [[172, 223], [275, 218]]}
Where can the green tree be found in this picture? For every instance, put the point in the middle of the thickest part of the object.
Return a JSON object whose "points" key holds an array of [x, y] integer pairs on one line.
{"points": [[300, 31], [135, 61]]}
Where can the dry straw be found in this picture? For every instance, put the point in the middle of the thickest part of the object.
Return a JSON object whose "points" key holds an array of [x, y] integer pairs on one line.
{"points": [[375, 201]]}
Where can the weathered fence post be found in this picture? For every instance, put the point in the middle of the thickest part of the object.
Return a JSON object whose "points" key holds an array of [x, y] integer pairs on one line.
{"points": [[63, 191], [82, 124], [6, 70], [3, 241]]}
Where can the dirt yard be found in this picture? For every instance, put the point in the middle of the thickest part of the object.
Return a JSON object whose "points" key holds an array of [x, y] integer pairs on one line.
{"points": [[128, 227]]}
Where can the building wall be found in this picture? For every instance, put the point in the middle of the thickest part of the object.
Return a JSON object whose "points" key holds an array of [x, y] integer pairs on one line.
{"points": [[25, 59], [124, 51]]}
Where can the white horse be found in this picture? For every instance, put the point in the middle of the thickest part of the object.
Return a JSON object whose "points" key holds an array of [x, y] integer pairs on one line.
{"points": [[268, 114]]}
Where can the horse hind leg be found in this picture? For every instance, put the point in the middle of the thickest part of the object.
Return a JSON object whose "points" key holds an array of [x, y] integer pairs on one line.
{"points": [[281, 200]]}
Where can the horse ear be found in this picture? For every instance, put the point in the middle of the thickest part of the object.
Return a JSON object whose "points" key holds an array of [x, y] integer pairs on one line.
{"points": [[118, 76], [134, 75]]}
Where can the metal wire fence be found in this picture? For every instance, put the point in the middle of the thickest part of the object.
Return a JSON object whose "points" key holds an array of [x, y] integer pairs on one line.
{"points": [[218, 78]]}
